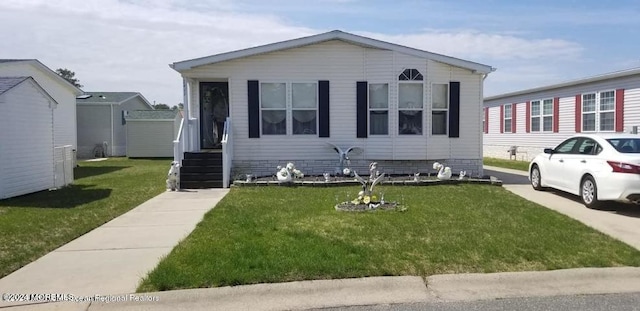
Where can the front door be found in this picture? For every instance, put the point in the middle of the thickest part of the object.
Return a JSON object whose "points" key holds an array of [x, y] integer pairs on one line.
{"points": [[214, 110]]}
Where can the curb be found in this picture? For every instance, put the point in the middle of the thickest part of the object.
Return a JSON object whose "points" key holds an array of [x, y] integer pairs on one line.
{"points": [[581, 281], [445, 288]]}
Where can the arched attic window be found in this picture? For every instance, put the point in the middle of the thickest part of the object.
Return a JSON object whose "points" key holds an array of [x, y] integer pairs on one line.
{"points": [[410, 75]]}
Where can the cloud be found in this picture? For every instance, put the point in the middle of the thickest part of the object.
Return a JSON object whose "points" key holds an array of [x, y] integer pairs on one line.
{"points": [[474, 44], [127, 45]]}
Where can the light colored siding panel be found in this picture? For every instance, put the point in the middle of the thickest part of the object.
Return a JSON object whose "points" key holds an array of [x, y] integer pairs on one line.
{"points": [[94, 127], [343, 65], [27, 158], [537, 141], [65, 113], [632, 108], [567, 116], [150, 138]]}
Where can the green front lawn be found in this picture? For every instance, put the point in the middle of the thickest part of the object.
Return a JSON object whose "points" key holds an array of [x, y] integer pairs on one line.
{"points": [[278, 234], [35, 224], [512, 164]]}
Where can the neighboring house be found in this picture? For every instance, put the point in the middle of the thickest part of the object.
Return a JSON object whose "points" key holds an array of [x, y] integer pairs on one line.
{"points": [[543, 117], [27, 146], [405, 107], [101, 122], [58, 88], [150, 133]]}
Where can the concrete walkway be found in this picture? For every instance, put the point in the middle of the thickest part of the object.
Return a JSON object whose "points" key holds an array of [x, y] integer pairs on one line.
{"points": [[113, 258]]}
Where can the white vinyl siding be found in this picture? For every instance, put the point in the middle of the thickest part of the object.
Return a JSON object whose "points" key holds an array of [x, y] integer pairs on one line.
{"points": [[65, 114], [95, 126], [343, 64], [27, 154], [536, 141], [150, 138]]}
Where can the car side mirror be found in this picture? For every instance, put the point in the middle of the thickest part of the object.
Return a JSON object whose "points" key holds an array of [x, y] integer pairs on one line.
{"points": [[548, 151]]}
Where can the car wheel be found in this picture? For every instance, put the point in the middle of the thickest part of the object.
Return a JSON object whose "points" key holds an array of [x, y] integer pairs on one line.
{"points": [[536, 177], [589, 192]]}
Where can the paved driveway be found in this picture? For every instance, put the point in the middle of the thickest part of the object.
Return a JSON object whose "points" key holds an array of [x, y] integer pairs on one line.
{"points": [[621, 221]]}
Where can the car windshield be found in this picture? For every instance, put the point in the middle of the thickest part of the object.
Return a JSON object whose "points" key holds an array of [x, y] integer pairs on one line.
{"points": [[625, 145]]}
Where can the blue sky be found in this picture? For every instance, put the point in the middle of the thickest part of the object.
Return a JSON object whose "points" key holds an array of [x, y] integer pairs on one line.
{"points": [[126, 45]]}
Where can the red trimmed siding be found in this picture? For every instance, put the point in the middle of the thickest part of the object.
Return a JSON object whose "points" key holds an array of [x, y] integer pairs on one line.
{"points": [[578, 117], [501, 118], [619, 110], [513, 118], [556, 114], [527, 122], [486, 120]]}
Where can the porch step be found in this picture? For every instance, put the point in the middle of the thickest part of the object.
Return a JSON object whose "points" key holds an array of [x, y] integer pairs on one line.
{"points": [[202, 162], [203, 155], [201, 176], [201, 170], [200, 184]]}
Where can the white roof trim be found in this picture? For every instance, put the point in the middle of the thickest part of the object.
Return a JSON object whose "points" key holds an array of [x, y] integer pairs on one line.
{"points": [[35, 84], [332, 35], [141, 97], [77, 91], [598, 78]]}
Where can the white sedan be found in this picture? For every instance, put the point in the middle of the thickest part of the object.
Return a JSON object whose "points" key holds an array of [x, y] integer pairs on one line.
{"points": [[596, 167]]}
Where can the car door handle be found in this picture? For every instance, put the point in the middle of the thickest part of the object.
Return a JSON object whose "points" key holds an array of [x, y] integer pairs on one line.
{"points": [[561, 160], [583, 161]]}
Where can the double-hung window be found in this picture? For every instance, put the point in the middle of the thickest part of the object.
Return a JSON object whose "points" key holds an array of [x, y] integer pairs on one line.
{"points": [[598, 111], [542, 115], [507, 118], [289, 105], [304, 104], [440, 109], [410, 102], [379, 109], [273, 103]]}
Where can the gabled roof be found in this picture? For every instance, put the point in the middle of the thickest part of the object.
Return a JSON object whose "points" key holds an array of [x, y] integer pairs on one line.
{"points": [[165, 114], [47, 70], [598, 78], [115, 98], [7, 83], [327, 36]]}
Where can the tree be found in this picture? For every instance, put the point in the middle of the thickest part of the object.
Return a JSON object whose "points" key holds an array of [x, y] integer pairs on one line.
{"points": [[69, 76], [161, 107]]}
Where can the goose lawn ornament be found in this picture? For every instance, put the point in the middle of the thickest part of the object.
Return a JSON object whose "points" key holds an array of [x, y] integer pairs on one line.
{"points": [[344, 156], [444, 173], [286, 174]]}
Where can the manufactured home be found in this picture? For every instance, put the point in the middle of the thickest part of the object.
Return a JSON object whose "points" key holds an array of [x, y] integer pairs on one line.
{"points": [[521, 124], [101, 122], [249, 111]]}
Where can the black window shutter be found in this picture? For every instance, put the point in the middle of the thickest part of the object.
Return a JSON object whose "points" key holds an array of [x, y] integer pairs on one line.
{"points": [[253, 94], [361, 109], [323, 108], [454, 109]]}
